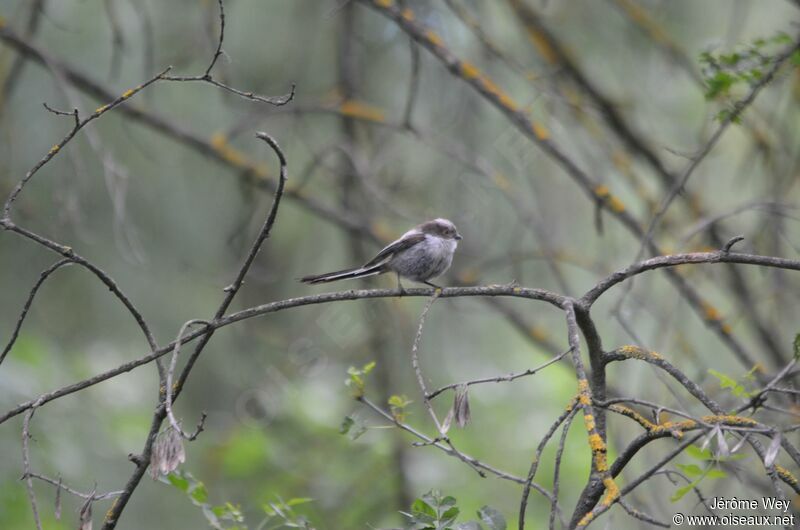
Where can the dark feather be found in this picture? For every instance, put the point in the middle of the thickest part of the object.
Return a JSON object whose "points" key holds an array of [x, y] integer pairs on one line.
{"points": [[343, 274], [397, 246]]}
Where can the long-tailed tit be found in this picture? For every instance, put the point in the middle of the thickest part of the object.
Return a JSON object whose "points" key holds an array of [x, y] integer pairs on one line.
{"points": [[422, 253]]}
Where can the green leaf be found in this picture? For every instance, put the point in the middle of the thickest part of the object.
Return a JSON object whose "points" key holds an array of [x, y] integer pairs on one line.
{"points": [[420, 507], [690, 470], [700, 454], [680, 492], [356, 382], [399, 401], [352, 427], [178, 481], [397, 406], [719, 84], [347, 423], [494, 520], [299, 500], [199, 493], [447, 501], [737, 389], [706, 57], [730, 59], [450, 515], [796, 345], [716, 473], [211, 517]]}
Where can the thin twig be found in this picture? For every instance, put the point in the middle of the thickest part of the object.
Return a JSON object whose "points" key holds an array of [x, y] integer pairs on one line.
{"points": [[207, 77], [42, 277], [436, 442], [569, 411], [501, 378], [26, 464], [557, 467], [731, 118], [61, 486], [415, 362], [142, 460], [170, 373], [637, 514]]}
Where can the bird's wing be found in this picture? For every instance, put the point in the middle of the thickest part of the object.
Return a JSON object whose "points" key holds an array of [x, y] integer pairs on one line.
{"points": [[401, 244]]}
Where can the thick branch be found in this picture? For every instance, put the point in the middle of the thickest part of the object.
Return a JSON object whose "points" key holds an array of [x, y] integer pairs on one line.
{"points": [[674, 260]]}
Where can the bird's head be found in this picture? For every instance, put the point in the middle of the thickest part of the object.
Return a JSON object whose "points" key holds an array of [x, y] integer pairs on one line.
{"points": [[442, 228]]}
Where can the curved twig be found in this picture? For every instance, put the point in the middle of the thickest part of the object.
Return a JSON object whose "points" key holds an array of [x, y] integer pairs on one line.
{"points": [[42, 277]]}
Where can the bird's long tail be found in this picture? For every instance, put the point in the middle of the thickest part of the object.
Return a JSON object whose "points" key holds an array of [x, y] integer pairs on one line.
{"points": [[345, 274]]}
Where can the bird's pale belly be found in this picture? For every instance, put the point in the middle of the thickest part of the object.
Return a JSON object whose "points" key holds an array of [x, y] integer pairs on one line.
{"points": [[422, 262]]}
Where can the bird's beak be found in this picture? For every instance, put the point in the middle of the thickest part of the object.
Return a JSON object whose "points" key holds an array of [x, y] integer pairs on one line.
{"points": [[458, 237]]}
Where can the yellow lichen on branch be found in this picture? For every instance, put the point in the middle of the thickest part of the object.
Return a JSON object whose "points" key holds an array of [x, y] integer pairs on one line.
{"points": [[588, 420], [635, 352], [434, 38], [110, 511], [583, 392], [612, 491], [469, 70], [542, 46], [504, 99], [635, 416], [603, 194], [785, 474], [711, 312], [640, 16], [616, 205], [730, 420], [540, 131], [364, 111]]}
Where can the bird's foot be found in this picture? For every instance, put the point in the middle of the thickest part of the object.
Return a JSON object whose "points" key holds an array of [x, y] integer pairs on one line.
{"points": [[438, 288]]}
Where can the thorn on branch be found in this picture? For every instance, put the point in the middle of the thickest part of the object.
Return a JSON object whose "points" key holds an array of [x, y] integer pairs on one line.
{"points": [[57, 112], [732, 241]]}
